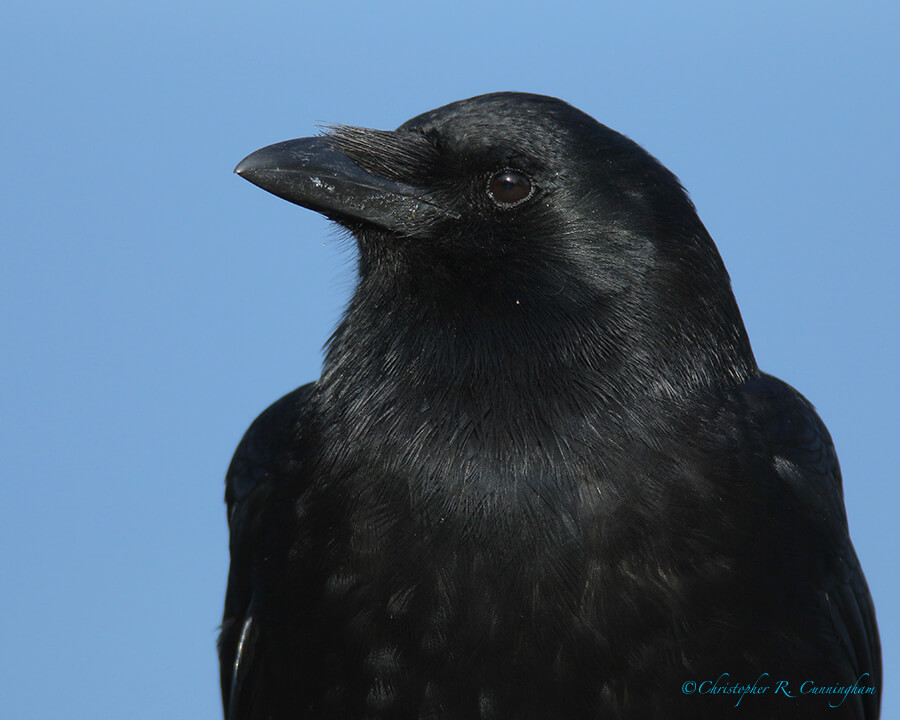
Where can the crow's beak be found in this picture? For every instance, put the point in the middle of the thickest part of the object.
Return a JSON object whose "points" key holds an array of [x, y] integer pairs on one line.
{"points": [[312, 173]]}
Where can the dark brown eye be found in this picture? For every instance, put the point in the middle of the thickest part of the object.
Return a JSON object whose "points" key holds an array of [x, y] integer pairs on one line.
{"points": [[509, 187]]}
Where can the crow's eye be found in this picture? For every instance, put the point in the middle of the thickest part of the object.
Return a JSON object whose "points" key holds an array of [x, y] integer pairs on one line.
{"points": [[509, 187]]}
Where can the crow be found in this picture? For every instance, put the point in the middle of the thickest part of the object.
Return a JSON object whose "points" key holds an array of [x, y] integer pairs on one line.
{"points": [[541, 475]]}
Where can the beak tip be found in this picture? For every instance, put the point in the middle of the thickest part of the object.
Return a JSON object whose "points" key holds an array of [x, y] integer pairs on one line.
{"points": [[242, 167]]}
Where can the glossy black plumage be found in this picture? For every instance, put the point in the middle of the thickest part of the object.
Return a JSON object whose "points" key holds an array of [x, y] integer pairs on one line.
{"points": [[541, 475]]}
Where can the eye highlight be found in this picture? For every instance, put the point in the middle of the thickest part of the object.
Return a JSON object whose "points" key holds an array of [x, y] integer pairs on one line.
{"points": [[509, 188]]}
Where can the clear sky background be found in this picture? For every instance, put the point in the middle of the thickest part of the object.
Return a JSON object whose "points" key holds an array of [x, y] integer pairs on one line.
{"points": [[153, 303]]}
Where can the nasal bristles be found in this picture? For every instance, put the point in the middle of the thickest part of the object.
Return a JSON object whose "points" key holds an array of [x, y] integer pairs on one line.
{"points": [[404, 155]]}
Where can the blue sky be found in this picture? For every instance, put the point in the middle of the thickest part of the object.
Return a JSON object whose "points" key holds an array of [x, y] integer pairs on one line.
{"points": [[153, 303]]}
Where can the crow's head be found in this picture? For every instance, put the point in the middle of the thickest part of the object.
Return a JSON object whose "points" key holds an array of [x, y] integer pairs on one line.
{"points": [[515, 204]]}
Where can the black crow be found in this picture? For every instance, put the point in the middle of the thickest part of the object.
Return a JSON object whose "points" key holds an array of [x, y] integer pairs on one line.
{"points": [[541, 475]]}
